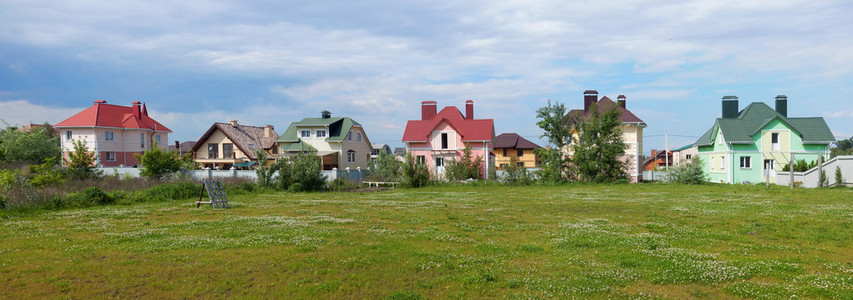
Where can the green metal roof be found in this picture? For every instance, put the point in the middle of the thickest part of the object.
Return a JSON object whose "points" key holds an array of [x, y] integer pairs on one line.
{"points": [[338, 128], [755, 117]]}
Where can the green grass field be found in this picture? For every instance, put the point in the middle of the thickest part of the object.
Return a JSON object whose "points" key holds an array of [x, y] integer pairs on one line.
{"points": [[584, 241]]}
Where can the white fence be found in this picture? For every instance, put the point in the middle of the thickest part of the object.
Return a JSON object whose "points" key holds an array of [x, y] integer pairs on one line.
{"points": [[655, 176], [355, 176], [811, 177]]}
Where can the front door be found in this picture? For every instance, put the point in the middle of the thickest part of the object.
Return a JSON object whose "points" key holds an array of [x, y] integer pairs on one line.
{"points": [[439, 166], [769, 168]]}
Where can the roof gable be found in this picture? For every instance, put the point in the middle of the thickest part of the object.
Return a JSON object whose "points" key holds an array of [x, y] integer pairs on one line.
{"points": [[338, 128], [246, 138], [605, 103]]}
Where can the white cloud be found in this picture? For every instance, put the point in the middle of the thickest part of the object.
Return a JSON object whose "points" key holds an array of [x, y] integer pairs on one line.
{"points": [[23, 112], [839, 114]]}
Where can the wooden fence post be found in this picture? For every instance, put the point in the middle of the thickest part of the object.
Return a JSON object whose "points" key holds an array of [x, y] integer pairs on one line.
{"points": [[791, 171]]}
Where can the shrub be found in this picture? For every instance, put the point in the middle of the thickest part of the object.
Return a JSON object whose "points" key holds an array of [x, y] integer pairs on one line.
{"points": [[415, 173], [88, 197], [515, 175], [839, 178], [386, 168], [688, 173], [81, 162], [801, 165], [295, 187], [465, 168], [158, 164], [46, 173]]}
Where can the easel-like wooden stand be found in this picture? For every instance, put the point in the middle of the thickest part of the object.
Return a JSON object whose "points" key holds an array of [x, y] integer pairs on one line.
{"points": [[215, 193]]}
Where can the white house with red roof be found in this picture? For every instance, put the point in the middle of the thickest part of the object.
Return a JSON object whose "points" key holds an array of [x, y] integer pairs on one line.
{"points": [[440, 137], [114, 132]]}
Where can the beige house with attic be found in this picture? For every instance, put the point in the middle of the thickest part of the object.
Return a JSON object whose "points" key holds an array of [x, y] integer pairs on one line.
{"points": [[340, 142], [632, 130], [227, 145]]}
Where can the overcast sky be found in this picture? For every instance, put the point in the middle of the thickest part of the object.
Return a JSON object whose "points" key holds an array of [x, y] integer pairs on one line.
{"points": [[273, 62]]}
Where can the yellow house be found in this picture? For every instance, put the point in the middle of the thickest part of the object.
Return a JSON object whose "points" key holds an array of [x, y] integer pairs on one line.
{"points": [[511, 145], [227, 145], [632, 130]]}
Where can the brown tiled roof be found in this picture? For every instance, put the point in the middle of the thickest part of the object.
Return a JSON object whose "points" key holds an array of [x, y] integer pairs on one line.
{"points": [[245, 137], [513, 140], [605, 103]]}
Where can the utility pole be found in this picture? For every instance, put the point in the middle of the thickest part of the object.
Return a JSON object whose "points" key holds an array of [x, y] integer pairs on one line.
{"points": [[666, 148], [820, 171]]}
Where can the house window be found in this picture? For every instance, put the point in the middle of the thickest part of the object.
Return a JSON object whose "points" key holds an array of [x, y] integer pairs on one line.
{"points": [[769, 165], [520, 153], [68, 135], [774, 141], [213, 150], [745, 162], [274, 149], [305, 133], [520, 164], [421, 159], [109, 136], [350, 156], [723, 163], [142, 140], [374, 152], [111, 156], [688, 156], [439, 161], [157, 138], [504, 152], [444, 141], [349, 136], [358, 137], [227, 150], [321, 133]]}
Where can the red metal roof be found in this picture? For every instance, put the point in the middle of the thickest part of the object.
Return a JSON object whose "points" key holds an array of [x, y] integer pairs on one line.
{"points": [[469, 129], [102, 114]]}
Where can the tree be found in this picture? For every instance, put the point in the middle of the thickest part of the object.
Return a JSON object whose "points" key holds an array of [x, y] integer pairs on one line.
{"points": [[81, 162], [688, 173], [158, 164], [552, 120], [843, 147], [263, 171], [188, 161], [386, 168], [465, 168], [29, 147], [415, 173], [597, 150], [305, 173], [839, 178]]}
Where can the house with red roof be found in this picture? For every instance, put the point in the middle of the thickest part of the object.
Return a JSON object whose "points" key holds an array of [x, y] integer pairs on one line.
{"points": [[632, 129], [440, 137], [512, 148], [113, 132]]}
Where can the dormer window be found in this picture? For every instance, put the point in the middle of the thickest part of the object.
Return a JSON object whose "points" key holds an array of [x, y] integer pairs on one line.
{"points": [[305, 133], [321, 133], [358, 137]]}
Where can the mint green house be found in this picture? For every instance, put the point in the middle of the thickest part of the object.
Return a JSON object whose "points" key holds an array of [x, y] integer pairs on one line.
{"points": [[745, 146]]}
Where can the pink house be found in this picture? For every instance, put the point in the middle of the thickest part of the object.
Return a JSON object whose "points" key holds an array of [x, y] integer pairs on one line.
{"points": [[440, 137], [113, 132]]}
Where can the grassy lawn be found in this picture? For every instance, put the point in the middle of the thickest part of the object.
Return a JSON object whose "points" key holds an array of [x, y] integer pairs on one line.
{"points": [[585, 241]]}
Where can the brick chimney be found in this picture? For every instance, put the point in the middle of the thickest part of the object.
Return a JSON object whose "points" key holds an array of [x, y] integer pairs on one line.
{"points": [[589, 97], [428, 110], [178, 146], [621, 100], [100, 102], [268, 130], [234, 123], [782, 105], [469, 109], [136, 109]]}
